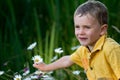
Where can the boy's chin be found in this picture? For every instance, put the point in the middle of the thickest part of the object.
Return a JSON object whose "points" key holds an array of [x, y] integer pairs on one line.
{"points": [[84, 45]]}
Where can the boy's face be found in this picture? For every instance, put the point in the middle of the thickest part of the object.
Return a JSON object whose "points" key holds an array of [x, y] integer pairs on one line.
{"points": [[87, 29]]}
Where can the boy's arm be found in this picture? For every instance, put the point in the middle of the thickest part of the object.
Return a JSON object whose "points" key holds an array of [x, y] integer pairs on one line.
{"points": [[60, 63]]}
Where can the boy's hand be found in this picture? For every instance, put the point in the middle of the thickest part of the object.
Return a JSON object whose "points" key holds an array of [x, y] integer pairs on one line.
{"points": [[58, 64], [40, 66]]}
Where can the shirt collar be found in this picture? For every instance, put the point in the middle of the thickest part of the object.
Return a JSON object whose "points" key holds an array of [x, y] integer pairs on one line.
{"points": [[99, 44]]}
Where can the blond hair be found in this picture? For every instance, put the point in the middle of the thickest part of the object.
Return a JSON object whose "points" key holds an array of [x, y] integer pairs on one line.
{"points": [[95, 9]]}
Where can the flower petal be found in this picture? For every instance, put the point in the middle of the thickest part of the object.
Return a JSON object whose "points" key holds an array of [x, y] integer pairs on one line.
{"points": [[32, 46]]}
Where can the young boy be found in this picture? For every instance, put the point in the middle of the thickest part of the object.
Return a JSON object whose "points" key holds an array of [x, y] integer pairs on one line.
{"points": [[98, 55]]}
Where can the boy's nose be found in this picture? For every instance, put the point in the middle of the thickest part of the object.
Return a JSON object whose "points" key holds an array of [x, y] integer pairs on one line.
{"points": [[81, 31]]}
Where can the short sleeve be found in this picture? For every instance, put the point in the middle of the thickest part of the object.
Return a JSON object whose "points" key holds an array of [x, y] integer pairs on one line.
{"points": [[76, 57]]}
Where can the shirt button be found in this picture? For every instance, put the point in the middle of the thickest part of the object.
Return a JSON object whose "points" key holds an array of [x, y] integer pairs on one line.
{"points": [[91, 68]]}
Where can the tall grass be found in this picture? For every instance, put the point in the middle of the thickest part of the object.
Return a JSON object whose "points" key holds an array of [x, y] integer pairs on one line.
{"points": [[11, 45]]}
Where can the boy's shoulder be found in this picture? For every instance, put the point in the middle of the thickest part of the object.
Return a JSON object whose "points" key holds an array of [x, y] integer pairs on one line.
{"points": [[110, 44]]}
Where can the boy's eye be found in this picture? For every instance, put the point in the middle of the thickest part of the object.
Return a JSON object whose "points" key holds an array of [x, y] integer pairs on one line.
{"points": [[88, 27], [77, 27]]}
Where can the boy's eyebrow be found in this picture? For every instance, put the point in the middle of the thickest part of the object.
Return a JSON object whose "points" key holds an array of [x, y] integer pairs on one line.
{"points": [[82, 26]]}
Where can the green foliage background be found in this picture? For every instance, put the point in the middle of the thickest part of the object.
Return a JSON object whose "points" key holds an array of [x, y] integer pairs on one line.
{"points": [[47, 22]]}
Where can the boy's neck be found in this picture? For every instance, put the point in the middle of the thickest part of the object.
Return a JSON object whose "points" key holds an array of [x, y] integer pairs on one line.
{"points": [[90, 48]]}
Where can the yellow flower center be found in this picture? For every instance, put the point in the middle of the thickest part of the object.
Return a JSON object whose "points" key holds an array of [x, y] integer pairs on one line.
{"points": [[37, 60], [18, 79]]}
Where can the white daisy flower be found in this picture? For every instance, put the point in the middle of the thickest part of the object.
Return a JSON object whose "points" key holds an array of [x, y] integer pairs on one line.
{"points": [[50, 72], [34, 77], [54, 58], [37, 59], [77, 72], [17, 77], [37, 72], [26, 72], [27, 78], [46, 77], [58, 50], [31, 46], [1, 73]]}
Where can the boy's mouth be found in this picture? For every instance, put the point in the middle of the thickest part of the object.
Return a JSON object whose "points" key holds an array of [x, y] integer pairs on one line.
{"points": [[82, 38]]}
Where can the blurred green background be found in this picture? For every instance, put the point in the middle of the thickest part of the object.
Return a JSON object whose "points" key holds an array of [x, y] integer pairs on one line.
{"points": [[47, 22]]}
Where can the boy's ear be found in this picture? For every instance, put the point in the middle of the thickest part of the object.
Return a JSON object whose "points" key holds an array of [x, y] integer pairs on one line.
{"points": [[104, 29]]}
